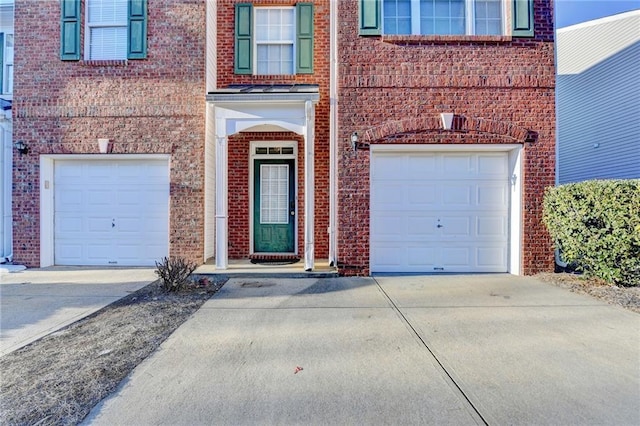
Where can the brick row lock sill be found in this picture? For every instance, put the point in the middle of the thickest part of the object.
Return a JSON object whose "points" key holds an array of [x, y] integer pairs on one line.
{"points": [[104, 63], [444, 39]]}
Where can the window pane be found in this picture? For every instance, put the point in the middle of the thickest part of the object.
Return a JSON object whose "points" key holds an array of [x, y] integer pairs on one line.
{"points": [[488, 17], [442, 17], [107, 11], [275, 59], [274, 24], [397, 16], [108, 43], [274, 193]]}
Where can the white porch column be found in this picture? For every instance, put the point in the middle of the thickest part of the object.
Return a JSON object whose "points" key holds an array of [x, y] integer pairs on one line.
{"points": [[222, 151], [309, 186]]}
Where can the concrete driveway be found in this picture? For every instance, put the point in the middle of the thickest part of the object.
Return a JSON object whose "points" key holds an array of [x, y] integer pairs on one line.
{"points": [[467, 349], [36, 302]]}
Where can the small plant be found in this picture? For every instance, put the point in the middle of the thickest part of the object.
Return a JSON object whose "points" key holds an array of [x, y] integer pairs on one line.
{"points": [[174, 273]]}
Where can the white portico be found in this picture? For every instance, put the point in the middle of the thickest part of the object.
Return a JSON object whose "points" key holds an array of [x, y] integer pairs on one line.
{"points": [[255, 108]]}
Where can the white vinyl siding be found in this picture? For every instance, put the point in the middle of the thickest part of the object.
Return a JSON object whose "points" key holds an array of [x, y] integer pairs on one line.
{"points": [[106, 29], [598, 101]]}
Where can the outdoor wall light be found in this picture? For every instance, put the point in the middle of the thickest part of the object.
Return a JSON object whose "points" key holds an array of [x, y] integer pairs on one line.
{"points": [[21, 147], [354, 140]]}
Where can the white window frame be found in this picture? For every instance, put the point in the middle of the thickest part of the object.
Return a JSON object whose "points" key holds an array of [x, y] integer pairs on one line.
{"points": [[470, 21], [257, 43], [90, 25]]}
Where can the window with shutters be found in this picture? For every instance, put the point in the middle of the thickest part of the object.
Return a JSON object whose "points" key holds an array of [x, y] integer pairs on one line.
{"points": [[443, 17], [113, 29], [106, 29], [446, 17], [273, 40]]}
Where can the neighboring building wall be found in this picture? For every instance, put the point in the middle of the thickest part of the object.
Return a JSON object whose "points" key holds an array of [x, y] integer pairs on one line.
{"points": [[6, 125], [598, 99], [152, 105], [239, 246], [384, 80]]}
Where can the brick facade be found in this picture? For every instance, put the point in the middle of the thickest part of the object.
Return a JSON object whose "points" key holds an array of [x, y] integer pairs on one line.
{"points": [[391, 90], [239, 144], [501, 89], [153, 105]]}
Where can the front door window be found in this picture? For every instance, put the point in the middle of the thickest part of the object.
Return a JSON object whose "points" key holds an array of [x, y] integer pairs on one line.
{"points": [[274, 206]]}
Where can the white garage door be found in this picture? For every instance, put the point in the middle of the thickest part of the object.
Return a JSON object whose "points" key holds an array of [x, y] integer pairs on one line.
{"points": [[439, 212], [112, 212]]}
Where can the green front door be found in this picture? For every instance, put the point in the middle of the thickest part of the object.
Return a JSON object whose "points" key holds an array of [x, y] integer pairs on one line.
{"points": [[274, 212]]}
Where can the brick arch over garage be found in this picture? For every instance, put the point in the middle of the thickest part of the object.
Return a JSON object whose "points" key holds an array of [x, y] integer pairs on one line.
{"points": [[460, 124]]}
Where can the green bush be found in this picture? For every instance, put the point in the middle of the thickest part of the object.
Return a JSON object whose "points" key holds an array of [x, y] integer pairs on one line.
{"points": [[174, 273], [596, 225]]}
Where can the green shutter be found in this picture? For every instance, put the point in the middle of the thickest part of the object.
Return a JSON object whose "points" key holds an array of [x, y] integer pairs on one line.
{"points": [[137, 30], [522, 18], [370, 18], [304, 38], [243, 63], [70, 30]]}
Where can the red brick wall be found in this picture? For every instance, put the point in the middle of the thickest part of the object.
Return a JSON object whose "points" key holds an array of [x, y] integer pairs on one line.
{"points": [[154, 105], [239, 145], [504, 83]]}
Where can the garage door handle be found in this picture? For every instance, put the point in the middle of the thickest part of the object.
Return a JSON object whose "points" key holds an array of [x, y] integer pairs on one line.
{"points": [[440, 226], [113, 223]]}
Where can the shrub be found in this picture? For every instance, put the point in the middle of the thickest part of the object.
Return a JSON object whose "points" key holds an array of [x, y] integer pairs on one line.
{"points": [[596, 225], [174, 273]]}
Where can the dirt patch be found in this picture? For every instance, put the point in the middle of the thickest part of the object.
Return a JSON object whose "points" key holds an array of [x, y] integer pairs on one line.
{"points": [[58, 379], [626, 297]]}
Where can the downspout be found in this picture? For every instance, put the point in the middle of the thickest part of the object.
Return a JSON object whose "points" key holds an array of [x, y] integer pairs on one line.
{"points": [[333, 132]]}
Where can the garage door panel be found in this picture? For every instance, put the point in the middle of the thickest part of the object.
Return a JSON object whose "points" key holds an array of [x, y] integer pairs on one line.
{"points": [[421, 226], [389, 194], [455, 227], [488, 227], [390, 257], [491, 257], [458, 164], [458, 257], [101, 171], [422, 167], [386, 168], [453, 195], [493, 195], [490, 164], [108, 212], [421, 195], [466, 193], [420, 256]]}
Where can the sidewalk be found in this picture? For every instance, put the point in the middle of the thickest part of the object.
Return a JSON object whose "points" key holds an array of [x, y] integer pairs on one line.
{"points": [[494, 349], [36, 302]]}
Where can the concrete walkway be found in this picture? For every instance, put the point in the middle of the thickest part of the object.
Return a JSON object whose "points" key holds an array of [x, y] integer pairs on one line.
{"points": [[481, 349], [37, 302]]}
